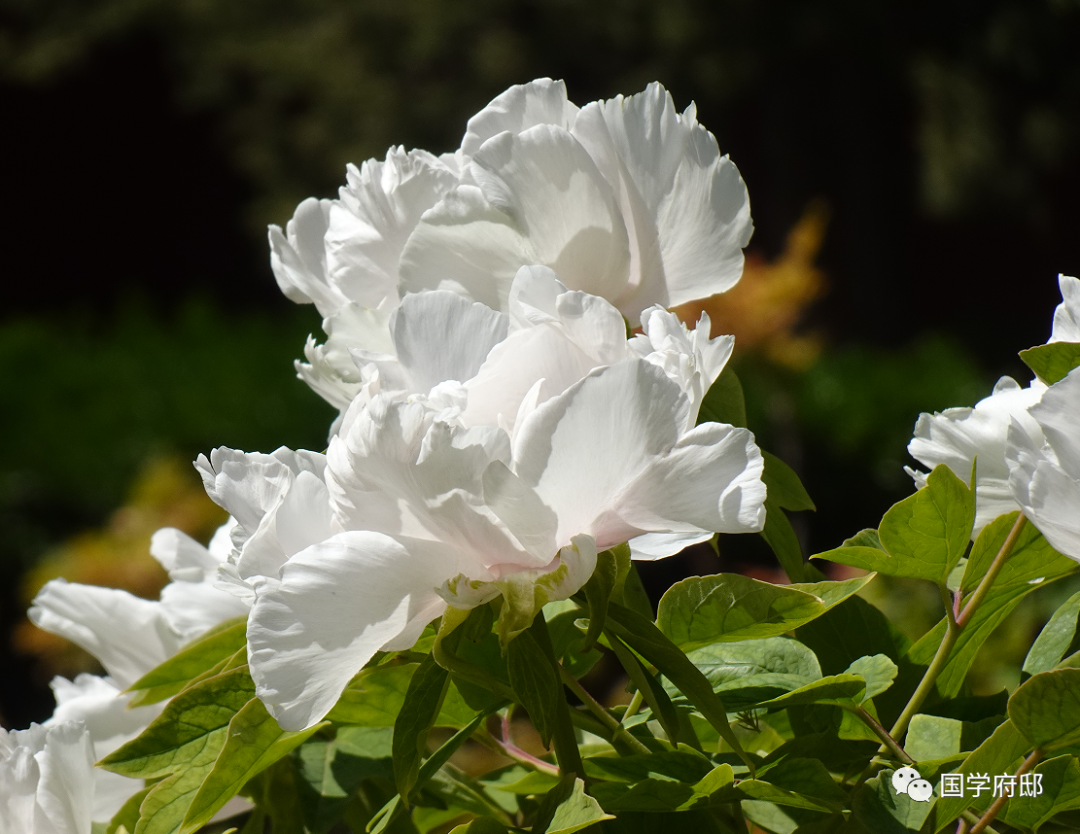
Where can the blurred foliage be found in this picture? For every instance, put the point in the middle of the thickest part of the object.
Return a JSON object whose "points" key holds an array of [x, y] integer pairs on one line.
{"points": [[127, 390], [167, 492], [304, 87]]}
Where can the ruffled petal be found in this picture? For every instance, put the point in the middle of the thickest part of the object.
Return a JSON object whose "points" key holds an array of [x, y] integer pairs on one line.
{"points": [[378, 210], [686, 205], [440, 336], [581, 449], [1058, 414], [128, 635], [540, 102], [466, 245], [337, 603], [65, 791], [298, 257], [1067, 313]]}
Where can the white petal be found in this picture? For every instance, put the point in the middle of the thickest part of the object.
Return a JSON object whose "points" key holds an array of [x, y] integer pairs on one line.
{"points": [[98, 704], [959, 437], [441, 336], [546, 181], [298, 257], [1049, 497], [689, 206], [192, 608], [66, 786], [337, 603], [540, 200], [400, 472], [1058, 414], [378, 210], [710, 480], [531, 521], [465, 245], [539, 102], [183, 557], [130, 636], [653, 546], [1067, 314], [581, 449]]}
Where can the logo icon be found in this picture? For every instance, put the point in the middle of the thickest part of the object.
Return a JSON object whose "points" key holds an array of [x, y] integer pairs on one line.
{"points": [[908, 781]]}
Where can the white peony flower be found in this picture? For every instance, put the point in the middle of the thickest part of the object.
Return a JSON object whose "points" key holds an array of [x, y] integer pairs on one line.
{"points": [[960, 437], [1067, 313], [46, 779], [105, 712], [1045, 477], [626, 199], [130, 636]]}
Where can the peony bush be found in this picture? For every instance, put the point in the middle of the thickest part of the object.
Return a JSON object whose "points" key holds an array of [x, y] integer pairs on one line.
{"points": [[521, 420]]}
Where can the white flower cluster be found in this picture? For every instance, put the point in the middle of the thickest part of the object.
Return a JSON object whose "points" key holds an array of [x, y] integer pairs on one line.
{"points": [[497, 425], [1023, 442]]}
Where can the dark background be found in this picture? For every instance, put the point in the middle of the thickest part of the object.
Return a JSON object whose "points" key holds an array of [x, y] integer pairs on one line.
{"points": [[147, 143]]}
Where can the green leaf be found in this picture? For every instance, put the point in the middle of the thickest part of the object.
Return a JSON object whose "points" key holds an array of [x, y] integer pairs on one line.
{"points": [[535, 682], [1058, 639], [575, 812], [784, 485], [753, 671], [1052, 362], [185, 729], [932, 737], [1046, 709], [650, 688], [928, 532], [923, 536], [651, 643], [877, 807], [728, 607], [197, 657], [385, 816], [1032, 564], [598, 591], [128, 815], [162, 812], [423, 701], [785, 492], [329, 771], [724, 401], [1001, 753], [274, 792], [725, 607], [567, 639], [851, 630], [878, 671], [374, 698], [835, 689], [672, 765], [1060, 782], [254, 742]]}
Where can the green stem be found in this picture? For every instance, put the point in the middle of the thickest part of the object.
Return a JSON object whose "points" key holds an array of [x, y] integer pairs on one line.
{"points": [[999, 803], [880, 732], [955, 625], [992, 573], [617, 730], [926, 685], [515, 753], [971, 819]]}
